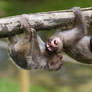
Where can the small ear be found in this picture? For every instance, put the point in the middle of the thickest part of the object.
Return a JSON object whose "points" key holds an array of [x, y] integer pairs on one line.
{"points": [[91, 44]]}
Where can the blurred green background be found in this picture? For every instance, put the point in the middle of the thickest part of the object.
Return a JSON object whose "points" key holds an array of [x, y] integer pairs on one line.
{"points": [[71, 77]]}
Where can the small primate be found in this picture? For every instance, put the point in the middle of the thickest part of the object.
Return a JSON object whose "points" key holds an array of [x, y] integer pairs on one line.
{"points": [[30, 51], [74, 42]]}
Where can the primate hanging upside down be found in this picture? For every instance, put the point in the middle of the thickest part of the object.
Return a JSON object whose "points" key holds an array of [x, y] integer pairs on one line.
{"points": [[30, 51], [74, 42]]}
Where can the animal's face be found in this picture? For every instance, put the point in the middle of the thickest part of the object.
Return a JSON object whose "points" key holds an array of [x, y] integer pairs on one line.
{"points": [[55, 62], [54, 44]]}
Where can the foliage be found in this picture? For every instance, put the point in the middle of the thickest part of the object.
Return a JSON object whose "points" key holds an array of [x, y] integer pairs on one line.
{"points": [[15, 7]]}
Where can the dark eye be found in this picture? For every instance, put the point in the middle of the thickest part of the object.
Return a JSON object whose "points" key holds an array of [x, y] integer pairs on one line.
{"points": [[55, 42], [60, 57]]}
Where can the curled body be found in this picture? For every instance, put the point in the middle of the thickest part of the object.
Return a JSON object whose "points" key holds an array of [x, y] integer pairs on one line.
{"points": [[30, 52], [75, 41]]}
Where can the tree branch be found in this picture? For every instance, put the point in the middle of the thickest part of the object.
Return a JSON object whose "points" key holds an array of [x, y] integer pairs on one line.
{"points": [[46, 20]]}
